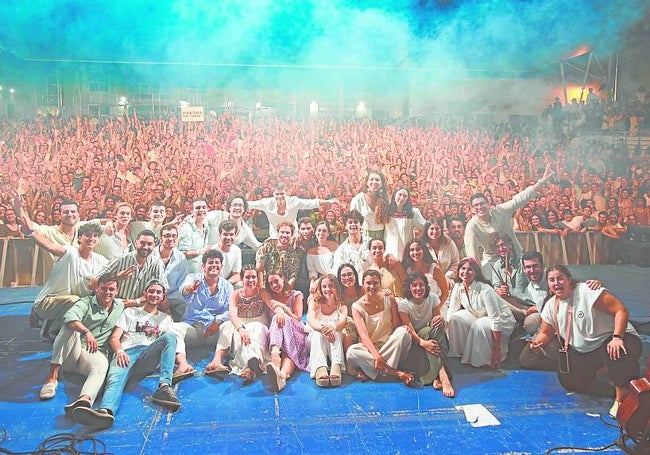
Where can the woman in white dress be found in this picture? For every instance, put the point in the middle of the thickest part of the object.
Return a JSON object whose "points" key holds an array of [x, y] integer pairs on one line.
{"points": [[402, 218], [479, 322], [326, 318], [372, 203], [320, 258], [443, 250], [246, 334], [384, 341]]}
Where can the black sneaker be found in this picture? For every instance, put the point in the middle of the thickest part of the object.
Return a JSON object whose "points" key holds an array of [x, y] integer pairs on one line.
{"points": [[79, 402], [98, 419], [166, 398]]}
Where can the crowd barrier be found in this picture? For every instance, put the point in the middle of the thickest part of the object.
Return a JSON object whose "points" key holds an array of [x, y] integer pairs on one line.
{"points": [[22, 260]]}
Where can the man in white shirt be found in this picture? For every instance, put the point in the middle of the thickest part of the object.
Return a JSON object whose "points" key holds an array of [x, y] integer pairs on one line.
{"points": [[141, 340], [281, 207], [232, 261], [175, 269], [69, 279]]}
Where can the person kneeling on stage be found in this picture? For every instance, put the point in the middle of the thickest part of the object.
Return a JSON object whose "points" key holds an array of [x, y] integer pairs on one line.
{"points": [[593, 331]]}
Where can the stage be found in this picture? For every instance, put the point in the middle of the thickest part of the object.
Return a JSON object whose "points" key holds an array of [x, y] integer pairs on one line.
{"points": [[532, 411]]}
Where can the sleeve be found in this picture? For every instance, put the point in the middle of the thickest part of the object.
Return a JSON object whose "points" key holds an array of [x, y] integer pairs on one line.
{"points": [[305, 203], [547, 313], [518, 200], [261, 204], [418, 219], [454, 258], [237, 263], [338, 260], [249, 237], [77, 311], [402, 306], [454, 301], [123, 320], [472, 241], [311, 266], [493, 308], [111, 267], [185, 238]]}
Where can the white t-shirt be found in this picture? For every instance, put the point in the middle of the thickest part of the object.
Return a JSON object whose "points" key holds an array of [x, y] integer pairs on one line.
{"points": [[71, 274], [420, 315], [232, 262], [589, 327], [142, 328]]}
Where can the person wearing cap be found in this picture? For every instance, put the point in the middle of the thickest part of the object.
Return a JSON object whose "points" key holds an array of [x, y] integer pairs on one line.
{"points": [[141, 340]]}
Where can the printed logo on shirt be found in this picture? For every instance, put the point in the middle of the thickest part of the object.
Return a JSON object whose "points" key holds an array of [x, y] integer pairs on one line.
{"points": [[151, 331], [580, 314]]}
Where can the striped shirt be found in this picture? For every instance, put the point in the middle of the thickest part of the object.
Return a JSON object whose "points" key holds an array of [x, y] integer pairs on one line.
{"points": [[133, 286]]}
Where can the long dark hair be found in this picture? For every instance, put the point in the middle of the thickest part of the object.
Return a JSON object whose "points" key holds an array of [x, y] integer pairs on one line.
{"points": [[407, 262], [473, 263], [408, 205], [357, 287]]}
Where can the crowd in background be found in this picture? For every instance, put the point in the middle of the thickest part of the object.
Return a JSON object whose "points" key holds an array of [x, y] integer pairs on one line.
{"points": [[99, 163]]}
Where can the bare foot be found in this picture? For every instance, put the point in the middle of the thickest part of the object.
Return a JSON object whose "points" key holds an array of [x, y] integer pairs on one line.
{"points": [[448, 389], [437, 385]]}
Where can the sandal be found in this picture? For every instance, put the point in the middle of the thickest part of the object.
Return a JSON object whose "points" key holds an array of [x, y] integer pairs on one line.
{"points": [[217, 373], [178, 377], [410, 380], [361, 376], [248, 376], [335, 375], [322, 378]]}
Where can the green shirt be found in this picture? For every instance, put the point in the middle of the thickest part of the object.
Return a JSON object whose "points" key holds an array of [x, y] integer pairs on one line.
{"points": [[95, 317]]}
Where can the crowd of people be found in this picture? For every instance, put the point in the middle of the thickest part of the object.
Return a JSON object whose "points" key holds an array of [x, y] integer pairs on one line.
{"points": [[149, 225]]}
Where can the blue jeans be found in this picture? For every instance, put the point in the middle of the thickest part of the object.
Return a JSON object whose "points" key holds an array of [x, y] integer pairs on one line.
{"points": [[143, 361]]}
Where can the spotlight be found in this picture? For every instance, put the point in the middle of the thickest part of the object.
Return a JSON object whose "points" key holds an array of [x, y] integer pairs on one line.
{"points": [[122, 101], [11, 90]]}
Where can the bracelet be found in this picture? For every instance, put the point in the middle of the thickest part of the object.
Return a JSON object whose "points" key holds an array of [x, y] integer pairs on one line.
{"points": [[241, 327], [620, 337], [120, 351]]}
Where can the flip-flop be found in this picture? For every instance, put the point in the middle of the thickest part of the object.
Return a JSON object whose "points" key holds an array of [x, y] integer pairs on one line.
{"points": [[218, 373], [248, 375], [414, 383], [182, 376], [361, 376]]}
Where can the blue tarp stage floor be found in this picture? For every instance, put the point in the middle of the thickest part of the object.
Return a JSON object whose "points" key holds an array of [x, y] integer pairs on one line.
{"points": [[534, 412]]}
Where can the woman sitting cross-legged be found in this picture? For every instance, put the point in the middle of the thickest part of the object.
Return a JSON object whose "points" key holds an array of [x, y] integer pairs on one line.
{"points": [[287, 336], [383, 340], [326, 317], [245, 335], [419, 310], [479, 322]]}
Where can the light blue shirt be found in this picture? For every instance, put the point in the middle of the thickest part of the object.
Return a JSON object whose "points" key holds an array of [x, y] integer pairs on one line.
{"points": [[202, 306]]}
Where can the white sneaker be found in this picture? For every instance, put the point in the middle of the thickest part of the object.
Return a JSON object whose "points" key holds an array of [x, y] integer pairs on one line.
{"points": [[48, 390], [277, 381], [614, 409]]}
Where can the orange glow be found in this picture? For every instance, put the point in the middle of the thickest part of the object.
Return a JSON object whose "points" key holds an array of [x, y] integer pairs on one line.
{"points": [[572, 91], [579, 51]]}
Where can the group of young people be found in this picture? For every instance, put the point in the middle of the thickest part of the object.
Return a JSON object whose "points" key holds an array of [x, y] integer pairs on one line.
{"points": [[398, 297]]}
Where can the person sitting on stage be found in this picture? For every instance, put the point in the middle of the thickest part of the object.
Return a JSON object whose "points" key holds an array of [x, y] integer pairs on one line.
{"points": [[82, 343], [383, 340], [206, 296], [479, 322], [142, 341]]}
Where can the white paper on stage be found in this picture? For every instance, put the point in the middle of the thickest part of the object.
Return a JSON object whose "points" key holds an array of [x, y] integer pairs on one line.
{"points": [[478, 416]]}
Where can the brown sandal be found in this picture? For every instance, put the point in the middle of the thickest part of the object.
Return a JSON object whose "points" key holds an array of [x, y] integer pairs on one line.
{"points": [[248, 376]]}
